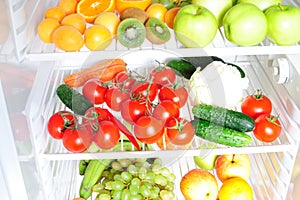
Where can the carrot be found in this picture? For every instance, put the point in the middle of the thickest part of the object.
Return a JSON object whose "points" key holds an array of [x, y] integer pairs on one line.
{"points": [[105, 70]]}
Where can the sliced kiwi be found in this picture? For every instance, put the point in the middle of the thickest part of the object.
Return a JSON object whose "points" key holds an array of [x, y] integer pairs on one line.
{"points": [[134, 13], [131, 33], [157, 31]]}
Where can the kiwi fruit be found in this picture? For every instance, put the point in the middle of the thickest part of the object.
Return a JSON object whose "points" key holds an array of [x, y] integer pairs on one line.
{"points": [[157, 31], [134, 13], [131, 32]]}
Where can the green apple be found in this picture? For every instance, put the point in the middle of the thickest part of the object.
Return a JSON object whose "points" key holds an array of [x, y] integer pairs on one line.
{"points": [[262, 4], [195, 26], [206, 160], [217, 7], [283, 24], [245, 24]]}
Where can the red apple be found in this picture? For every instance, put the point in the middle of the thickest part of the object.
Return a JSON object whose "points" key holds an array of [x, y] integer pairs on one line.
{"points": [[199, 184], [233, 165]]}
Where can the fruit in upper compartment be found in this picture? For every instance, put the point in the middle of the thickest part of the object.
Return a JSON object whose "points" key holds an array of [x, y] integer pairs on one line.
{"points": [[217, 7], [75, 20], [157, 31], [90, 9], [55, 13], [121, 5], [199, 184], [110, 20], [97, 37], [235, 189], [267, 128], [131, 33], [157, 10], [170, 16], [262, 4], [46, 28], [233, 165], [68, 5], [245, 25], [283, 24], [134, 13], [195, 26]]}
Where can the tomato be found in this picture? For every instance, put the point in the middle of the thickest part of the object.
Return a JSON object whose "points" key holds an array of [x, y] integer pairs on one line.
{"points": [[256, 105], [148, 129], [166, 110], [94, 90], [180, 131], [132, 109], [77, 140], [145, 90], [114, 96], [163, 75], [93, 116], [177, 95], [107, 136], [267, 128], [125, 81], [58, 123]]}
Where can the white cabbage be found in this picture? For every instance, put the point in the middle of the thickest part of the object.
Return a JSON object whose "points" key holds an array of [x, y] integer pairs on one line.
{"points": [[217, 84]]}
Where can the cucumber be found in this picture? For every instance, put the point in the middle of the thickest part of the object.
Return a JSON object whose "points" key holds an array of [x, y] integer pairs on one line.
{"points": [[219, 134], [73, 99], [182, 67], [224, 117]]}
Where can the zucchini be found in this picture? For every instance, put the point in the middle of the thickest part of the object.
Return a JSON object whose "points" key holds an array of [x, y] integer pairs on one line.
{"points": [[182, 67], [224, 117], [219, 134], [73, 99]]}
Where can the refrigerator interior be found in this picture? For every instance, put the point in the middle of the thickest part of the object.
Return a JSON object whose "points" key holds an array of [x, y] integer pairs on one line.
{"points": [[32, 70]]}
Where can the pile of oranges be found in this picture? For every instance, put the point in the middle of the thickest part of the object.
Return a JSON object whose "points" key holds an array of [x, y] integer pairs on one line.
{"points": [[71, 24]]}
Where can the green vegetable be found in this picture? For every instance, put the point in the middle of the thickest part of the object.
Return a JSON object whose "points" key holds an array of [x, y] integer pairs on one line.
{"points": [[73, 99], [182, 67], [224, 117], [219, 134]]}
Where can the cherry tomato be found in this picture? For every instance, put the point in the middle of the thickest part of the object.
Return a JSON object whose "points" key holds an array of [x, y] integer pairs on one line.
{"points": [[166, 110], [58, 123], [77, 140], [148, 129], [94, 90], [107, 136], [125, 81], [163, 75], [132, 109], [93, 116], [267, 128], [178, 95], [145, 90], [180, 131], [256, 105], [114, 96]]}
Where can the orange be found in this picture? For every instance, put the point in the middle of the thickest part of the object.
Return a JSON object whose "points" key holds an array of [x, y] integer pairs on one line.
{"points": [[110, 20], [90, 9], [55, 13], [46, 28], [75, 20], [67, 38], [68, 5], [97, 37], [121, 5], [157, 10], [235, 189], [170, 16]]}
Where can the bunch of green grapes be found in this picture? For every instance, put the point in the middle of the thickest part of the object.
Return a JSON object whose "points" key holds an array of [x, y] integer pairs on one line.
{"points": [[136, 179]]}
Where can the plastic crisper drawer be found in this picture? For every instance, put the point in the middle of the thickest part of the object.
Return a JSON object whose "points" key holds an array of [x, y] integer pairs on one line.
{"points": [[43, 102]]}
